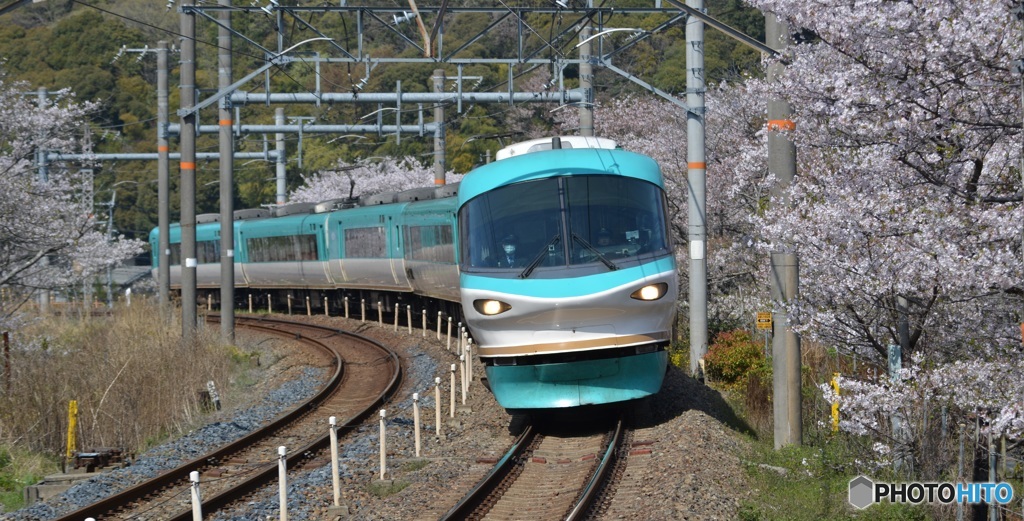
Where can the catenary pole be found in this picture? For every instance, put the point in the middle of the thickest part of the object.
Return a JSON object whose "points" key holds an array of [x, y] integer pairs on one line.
{"points": [[44, 177], [281, 164], [227, 180], [696, 182], [439, 130], [586, 79], [187, 185], [163, 182], [784, 271]]}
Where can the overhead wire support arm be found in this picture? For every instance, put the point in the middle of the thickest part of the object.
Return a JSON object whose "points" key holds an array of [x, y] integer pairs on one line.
{"points": [[729, 31], [187, 9], [645, 35], [648, 86], [275, 59], [329, 40], [392, 29]]}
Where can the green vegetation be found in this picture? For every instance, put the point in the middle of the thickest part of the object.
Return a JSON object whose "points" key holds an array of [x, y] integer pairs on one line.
{"points": [[19, 469], [414, 465], [808, 482], [732, 358], [386, 488], [66, 45]]}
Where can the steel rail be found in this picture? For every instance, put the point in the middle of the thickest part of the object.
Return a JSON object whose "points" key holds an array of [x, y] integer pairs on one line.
{"points": [[104, 507], [597, 480], [475, 497]]}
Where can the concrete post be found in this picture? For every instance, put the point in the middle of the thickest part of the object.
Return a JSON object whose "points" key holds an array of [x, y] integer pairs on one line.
{"points": [[187, 184], [439, 132], [227, 178], [163, 183], [696, 181]]}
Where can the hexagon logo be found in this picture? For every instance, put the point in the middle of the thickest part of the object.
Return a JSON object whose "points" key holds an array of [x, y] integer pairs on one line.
{"points": [[861, 492]]}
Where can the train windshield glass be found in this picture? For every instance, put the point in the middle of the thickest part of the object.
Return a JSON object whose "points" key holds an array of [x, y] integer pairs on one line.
{"points": [[577, 220], [614, 219], [510, 226]]}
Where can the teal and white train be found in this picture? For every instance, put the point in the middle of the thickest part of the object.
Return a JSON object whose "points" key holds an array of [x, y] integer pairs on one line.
{"points": [[557, 256]]}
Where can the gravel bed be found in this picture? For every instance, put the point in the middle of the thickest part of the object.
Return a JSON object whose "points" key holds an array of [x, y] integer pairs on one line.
{"points": [[692, 470]]}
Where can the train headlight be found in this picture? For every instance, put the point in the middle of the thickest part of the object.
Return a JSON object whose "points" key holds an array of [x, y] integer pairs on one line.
{"points": [[650, 292], [490, 307]]}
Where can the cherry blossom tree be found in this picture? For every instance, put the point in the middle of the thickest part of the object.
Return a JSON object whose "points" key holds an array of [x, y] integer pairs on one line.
{"points": [[49, 237], [907, 207], [366, 178], [906, 212]]}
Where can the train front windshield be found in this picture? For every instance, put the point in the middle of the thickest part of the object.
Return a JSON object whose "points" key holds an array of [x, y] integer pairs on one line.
{"points": [[601, 221]]}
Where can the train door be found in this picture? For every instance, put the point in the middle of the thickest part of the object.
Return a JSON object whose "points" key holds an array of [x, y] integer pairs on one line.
{"points": [[312, 252], [396, 257], [332, 250]]}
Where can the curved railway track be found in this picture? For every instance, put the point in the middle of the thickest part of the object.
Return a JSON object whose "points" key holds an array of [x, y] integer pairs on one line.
{"points": [[354, 392], [546, 477]]}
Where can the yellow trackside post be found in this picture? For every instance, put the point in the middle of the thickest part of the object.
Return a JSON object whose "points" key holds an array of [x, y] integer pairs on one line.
{"points": [[72, 424], [835, 404]]}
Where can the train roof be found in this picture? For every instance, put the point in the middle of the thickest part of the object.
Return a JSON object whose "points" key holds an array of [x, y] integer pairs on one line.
{"points": [[547, 143], [561, 162]]}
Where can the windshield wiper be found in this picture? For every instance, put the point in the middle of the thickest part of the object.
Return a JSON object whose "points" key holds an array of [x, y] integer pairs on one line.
{"points": [[611, 265], [540, 256]]}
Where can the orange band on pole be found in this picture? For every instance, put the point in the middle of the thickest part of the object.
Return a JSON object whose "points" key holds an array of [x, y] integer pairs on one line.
{"points": [[163, 148], [439, 181], [781, 124], [697, 165], [225, 122], [188, 166]]}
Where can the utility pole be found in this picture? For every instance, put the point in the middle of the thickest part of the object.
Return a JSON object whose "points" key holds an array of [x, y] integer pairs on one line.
{"points": [[785, 280], [44, 177], [439, 130], [586, 79], [188, 177], [110, 238], [227, 180], [696, 181], [282, 186], [163, 183]]}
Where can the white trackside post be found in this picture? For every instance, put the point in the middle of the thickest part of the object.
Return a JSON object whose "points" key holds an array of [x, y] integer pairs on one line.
{"points": [[451, 409], [335, 478], [197, 499], [416, 420], [437, 405], [383, 450], [282, 472]]}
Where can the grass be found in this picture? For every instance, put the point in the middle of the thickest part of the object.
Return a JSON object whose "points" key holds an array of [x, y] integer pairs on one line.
{"points": [[386, 488], [810, 482], [19, 469], [135, 383]]}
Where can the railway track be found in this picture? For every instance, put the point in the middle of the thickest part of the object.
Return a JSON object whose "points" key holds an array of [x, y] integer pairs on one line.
{"points": [[547, 476], [366, 374]]}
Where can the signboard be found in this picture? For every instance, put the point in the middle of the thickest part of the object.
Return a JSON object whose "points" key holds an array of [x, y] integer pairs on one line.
{"points": [[764, 321]]}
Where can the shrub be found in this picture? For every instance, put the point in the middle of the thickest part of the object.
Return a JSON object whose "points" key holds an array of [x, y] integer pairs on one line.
{"points": [[732, 356]]}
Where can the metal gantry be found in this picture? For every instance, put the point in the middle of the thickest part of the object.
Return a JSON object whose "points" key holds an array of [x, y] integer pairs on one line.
{"points": [[531, 49]]}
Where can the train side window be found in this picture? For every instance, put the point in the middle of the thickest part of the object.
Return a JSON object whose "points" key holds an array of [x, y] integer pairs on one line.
{"points": [[366, 243], [431, 243], [287, 248], [206, 252]]}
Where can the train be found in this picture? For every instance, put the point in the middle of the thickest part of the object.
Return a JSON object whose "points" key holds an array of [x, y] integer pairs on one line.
{"points": [[557, 256]]}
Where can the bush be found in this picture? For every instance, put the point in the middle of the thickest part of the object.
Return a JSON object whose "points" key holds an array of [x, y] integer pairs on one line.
{"points": [[731, 358]]}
